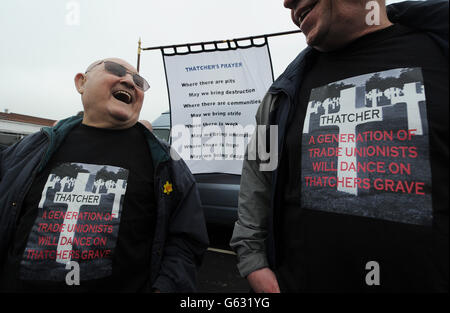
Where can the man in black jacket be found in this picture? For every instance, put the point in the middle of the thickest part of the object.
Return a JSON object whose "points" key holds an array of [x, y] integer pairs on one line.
{"points": [[359, 200], [96, 203]]}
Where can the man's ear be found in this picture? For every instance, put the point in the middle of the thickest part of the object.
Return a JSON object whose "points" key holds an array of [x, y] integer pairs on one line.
{"points": [[80, 80]]}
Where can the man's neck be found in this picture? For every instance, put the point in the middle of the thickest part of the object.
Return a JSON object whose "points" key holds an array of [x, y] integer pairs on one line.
{"points": [[365, 29], [106, 124]]}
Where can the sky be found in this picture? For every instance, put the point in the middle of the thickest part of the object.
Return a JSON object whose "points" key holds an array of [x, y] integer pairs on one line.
{"points": [[45, 43]]}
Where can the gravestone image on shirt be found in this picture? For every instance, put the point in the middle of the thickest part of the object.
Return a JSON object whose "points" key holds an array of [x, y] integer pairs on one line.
{"points": [[366, 148], [78, 220]]}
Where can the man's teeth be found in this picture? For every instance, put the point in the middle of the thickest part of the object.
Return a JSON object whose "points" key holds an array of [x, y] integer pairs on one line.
{"points": [[122, 96]]}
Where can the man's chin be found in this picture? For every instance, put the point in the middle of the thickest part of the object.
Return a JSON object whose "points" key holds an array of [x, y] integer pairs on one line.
{"points": [[311, 38], [122, 120], [318, 41]]}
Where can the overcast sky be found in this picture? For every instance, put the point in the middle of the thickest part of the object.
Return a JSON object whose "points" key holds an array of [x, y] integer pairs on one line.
{"points": [[45, 43]]}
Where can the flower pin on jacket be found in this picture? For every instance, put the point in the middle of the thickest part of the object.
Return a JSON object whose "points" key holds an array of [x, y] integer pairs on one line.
{"points": [[168, 188]]}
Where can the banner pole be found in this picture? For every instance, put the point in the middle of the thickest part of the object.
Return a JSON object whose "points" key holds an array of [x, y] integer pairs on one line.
{"points": [[215, 42], [139, 55]]}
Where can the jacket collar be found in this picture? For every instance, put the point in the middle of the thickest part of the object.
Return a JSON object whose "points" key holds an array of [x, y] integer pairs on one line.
{"points": [[56, 135], [293, 74]]}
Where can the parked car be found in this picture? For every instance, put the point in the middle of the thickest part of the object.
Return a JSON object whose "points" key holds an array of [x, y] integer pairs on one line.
{"points": [[161, 126], [218, 192]]}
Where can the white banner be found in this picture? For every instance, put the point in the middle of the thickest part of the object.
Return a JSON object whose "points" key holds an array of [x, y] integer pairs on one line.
{"points": [[214, 96]]}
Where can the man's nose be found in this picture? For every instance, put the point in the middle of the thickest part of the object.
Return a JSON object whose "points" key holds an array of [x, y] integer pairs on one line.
{"points": [[290, 4], [127, 80]]}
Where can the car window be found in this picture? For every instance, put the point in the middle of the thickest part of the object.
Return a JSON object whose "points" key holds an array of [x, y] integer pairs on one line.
{"points": [[162, 134]]}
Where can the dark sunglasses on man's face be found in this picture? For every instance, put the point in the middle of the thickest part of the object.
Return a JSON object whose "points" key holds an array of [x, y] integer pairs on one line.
{"points": [[120, 71]]}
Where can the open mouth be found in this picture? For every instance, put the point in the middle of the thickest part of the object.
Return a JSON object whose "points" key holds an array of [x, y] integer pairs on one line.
{"points": [[123, 96], [306, 11]]}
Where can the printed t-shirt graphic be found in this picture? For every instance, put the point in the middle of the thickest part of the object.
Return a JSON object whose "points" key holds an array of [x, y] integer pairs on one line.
{"points": [[366, 150], [78, 220]]}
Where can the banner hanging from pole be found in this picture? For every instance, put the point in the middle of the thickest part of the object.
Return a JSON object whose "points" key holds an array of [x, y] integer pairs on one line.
{"points": [[213, 97]]}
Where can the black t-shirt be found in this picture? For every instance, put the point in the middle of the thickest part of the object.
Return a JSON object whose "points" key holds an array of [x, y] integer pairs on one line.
{"points": [[365, 169], [93, 204]]}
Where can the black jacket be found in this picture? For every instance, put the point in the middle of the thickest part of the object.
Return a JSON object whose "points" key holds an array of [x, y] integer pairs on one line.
{"points": [[180, 235]]}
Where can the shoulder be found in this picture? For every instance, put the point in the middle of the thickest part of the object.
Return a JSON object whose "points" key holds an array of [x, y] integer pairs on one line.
{"points": [[287, 81], [24, 150], [431, 16], [27, 144], [426, 9]]}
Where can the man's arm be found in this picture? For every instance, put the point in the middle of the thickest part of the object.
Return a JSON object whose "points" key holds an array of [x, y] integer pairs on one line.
{"points": [[185, 244], [1, 163], [250, 230]]}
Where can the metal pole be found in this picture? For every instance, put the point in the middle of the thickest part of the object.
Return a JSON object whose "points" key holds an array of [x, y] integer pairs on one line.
{"points": [[223, 41], [139, 55]]}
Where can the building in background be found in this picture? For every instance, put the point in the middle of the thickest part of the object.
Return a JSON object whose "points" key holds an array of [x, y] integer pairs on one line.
{"points": [[14, 127]]}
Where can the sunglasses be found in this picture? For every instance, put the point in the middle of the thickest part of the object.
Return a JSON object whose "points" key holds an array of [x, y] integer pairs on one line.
{"points": [[120, 71]]}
